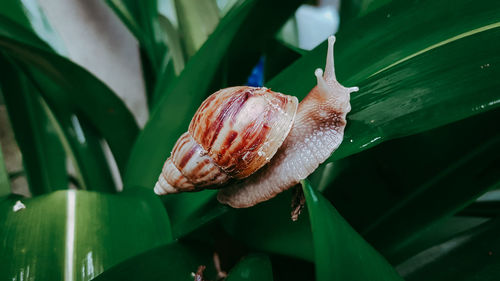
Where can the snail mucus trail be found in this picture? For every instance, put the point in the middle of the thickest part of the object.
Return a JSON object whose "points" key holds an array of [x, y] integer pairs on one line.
{"points": [[265, 141]]}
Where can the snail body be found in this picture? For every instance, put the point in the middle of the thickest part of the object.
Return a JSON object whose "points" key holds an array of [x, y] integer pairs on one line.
{"points": [[264, 140]]}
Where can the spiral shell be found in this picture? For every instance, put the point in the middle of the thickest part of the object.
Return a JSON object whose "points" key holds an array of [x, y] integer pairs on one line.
{"points": [[234, 133]]}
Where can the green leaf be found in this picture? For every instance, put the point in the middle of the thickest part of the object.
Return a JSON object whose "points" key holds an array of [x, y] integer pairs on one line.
{"points": [[142, 19], [436, 234], [411, 183], [75, 235], [449, 69], [267, 227], [477, 168], [180, 100], [30, 15], [4, 177], [353, 9], [252, 267], [170, 262], [472, 255], [89, 96], [190, 211], [173, 39], [127, 11], [339, 252], [44, 159], [82, 141], [197, 20]]}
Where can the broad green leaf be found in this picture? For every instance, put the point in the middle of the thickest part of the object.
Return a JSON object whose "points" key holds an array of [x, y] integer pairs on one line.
{"points": [[44, 159], [197, 20], [449, 69], [180, 100], [170, 262], [192, 210], [340, 253], [436, 234], [253, 267], [352, 9], [4, 177], [75, 235], [268, 227], [89, 96], [472, 255], [477, 168], [411, 183]]}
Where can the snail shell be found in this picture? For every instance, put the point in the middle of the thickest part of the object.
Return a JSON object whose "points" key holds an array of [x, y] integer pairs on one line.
{"points": [[238, 130], [234, 133]]}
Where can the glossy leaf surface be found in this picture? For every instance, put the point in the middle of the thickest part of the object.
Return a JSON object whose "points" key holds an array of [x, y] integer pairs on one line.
{"points": [[401, 201], [472, 255], [75, 235], [339, 252], [450, 69], [170, 262], [180, 100], [253, 267]]}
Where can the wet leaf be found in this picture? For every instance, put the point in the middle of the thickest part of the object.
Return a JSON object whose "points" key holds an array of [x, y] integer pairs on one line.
{"points": [[75, 235]]}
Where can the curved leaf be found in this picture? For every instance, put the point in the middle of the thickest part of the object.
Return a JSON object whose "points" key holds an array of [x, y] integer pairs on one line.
{"points": [[253, 267], [44, 159], [75, 235], [192, 210], [339, 252], [81, 140], [142, 19], [412, 183], [4, 177], [197, 20], [477, 168], [170, 262], [267, 227], [473, 255], [92, 165], [90, 97], [30, 15]]}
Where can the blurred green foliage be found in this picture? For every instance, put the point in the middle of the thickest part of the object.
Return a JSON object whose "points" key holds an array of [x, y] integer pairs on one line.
{"points": [[398, 199]]}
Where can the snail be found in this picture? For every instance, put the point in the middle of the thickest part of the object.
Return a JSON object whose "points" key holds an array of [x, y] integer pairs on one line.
{"points": [[254, 143]]}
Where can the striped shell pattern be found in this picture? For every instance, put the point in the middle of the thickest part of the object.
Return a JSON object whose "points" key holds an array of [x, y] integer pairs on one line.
{"points": [[234, 133]]}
